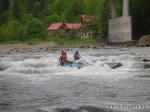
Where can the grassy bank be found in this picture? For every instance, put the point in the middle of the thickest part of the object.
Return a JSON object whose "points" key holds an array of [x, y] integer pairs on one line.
{"points": [[72, 41], [29, 42], [67, 42]]}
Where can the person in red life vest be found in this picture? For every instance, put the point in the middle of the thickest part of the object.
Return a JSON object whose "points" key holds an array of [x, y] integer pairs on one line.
{"points": [[63, 58], [76, 56]]}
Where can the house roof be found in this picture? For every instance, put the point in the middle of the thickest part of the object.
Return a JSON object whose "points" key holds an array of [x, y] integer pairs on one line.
{"points": [[54, 26], [76, 26], [89, 20]]}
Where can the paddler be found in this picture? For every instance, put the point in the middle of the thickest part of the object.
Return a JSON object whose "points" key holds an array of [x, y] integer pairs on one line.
{"points": [[63, 58], [76, 55]]}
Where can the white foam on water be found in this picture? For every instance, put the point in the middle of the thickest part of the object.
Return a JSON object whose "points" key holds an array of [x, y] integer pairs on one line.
{"points": [[94, 66], [47, 64]]}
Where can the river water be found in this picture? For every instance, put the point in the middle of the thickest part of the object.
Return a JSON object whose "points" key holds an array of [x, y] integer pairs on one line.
{"points": [[34, 82]]}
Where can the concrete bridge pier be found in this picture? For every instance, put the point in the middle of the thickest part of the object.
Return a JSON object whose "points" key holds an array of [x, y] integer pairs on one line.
{"points": [[125, 8], [113, 9], [120, 28]]}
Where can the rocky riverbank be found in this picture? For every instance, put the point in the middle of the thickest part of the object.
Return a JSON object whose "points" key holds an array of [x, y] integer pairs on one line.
{"points": [[21, 48], [51, 46]]}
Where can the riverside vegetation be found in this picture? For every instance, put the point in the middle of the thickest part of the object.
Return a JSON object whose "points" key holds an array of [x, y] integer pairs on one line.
{"points": [[26, 21]]}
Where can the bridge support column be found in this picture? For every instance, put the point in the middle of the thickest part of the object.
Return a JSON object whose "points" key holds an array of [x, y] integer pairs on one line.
{"points": [[120, 28], [113, 9], [125, 8]]}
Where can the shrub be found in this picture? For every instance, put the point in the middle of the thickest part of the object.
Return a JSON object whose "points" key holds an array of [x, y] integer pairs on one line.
{"points": [[12, 30], [34, 29], [53, 19]]}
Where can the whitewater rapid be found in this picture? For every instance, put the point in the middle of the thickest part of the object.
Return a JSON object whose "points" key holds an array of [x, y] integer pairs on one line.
{"points": [[34, 81]]}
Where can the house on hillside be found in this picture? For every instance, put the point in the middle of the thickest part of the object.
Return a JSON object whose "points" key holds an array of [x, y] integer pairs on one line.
{"points": [[84, 29], [57, 28], [74, 29], [64, 29], [75, 26], [87, 20], [88, 23]]}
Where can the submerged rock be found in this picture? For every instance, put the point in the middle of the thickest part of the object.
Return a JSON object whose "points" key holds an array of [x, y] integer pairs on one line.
{"points": [[113, 65], [3, 67], [146, 60], [146, 65]]}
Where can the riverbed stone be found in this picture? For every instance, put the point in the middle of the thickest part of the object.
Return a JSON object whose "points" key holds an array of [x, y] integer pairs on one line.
{"points": [[144, 41], [113, 65], [84, 46], [3, 67], [147, 65], [146, 60]]}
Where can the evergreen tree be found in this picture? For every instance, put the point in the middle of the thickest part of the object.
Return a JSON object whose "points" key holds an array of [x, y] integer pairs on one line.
{"points": [[29, 4], [140, 12], [4, 4], [74, 10], [14, 9], [104, 17]]}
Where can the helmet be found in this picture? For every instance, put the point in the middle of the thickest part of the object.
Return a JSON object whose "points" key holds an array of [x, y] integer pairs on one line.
{"points": [[62, 50], [76, 51]]}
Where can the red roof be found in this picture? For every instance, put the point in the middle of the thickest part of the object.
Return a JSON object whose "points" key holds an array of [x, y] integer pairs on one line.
{"points": [[54, 26], [76, 26]]}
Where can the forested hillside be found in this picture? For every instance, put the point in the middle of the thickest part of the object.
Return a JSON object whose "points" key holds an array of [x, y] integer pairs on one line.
{"points": [[26, 19]]}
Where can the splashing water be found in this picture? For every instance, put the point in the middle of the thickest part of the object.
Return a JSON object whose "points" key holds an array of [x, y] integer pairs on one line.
{"points": [[34, 82]]}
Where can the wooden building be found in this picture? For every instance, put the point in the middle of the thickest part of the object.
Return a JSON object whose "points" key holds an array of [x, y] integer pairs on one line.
{"points": [[64, 29], [57, 28], [87, 20], [88, 23]]}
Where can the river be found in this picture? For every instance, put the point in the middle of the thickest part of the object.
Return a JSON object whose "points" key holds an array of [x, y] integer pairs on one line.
{"points": [[34, 82]]}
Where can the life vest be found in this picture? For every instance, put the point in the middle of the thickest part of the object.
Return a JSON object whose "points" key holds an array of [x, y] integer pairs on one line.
{"points": [[63, 57]]}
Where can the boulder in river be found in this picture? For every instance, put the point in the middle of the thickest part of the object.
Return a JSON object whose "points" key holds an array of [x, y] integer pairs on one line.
{"points": [[146, 65], [144, 41], [113, 65], [146, 60], [3, 67]]}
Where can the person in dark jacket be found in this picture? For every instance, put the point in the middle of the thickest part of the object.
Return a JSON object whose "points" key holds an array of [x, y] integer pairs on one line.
{"points": [[76, 56]]}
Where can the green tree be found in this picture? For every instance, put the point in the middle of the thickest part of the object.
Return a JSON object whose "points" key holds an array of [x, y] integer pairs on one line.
{"points": [[4, 4], [74, 10], [15, 9], [104, 17], [34, 29], [59, 6], [91, 6], [11, 31], [29, 5], [37, 9], [53, 19], [140, 12]]}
